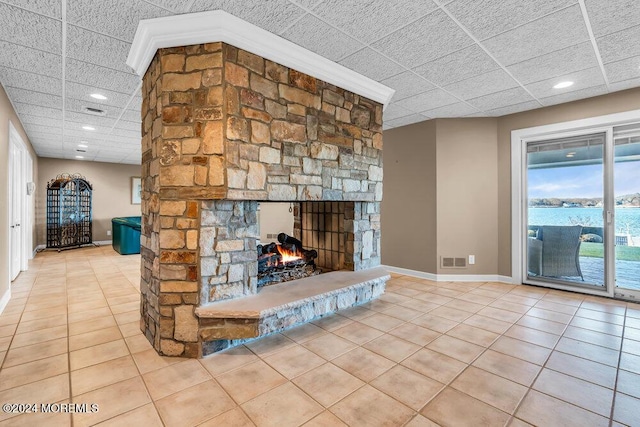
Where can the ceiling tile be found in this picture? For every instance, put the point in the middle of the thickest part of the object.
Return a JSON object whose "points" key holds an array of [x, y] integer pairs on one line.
{"points": [[132, 116], [428, 100], [407, 120], [101, 77], [394, 111], [25, 96], [371, 64], [610, 16], [38, 129], [78, 106], [516, 108], [51, 8], [486, 18], [575, 95], [125, 125], [81, 92], [36, 110], [52, 123], [333, 44], [563, 61], [32, 60], [484, 84], [406, 84], [454, 110], [623, 70], [426, 39], [73, 119], [504, 98], [30, 29], [369, 20], [179, 6], [22, 79], [582, 79], [133, 135], [625, 84], [620, 45], [117, 18], [97, 49], [273, 15], [548, 34], [457, 66]]}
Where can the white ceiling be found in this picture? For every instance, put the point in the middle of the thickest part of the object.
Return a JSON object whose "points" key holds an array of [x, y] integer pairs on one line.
{"points": [[445, 58]]}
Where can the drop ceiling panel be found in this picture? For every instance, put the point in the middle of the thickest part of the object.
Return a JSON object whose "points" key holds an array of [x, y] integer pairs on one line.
{"points": [[97, 49], [78, 106], [626, 84], [610, 16], [21, 79], [563, 61], [623, 70], [25, 96], [621, 45], [574, 95], [42, 129], [371, 64], [178, 6], [406, 84], [582, 79], [116, 18], [486, 18], [100, 123], [36, 110], [455, 67], [424, 40], [333, 44], [550, 33], [501, 99], [51, 123], [101, 77], [395, 111], [130, 126], [81, 92], [516, 108], [428, 100], [132, 116], [132, 135], [454, 110], [273, 15], [371, 20], [30, 29], [32, 60], [484, 84], [407, 120], [51, 8]]}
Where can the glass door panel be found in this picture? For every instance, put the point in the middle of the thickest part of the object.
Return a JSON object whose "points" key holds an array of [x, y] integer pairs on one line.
{"points": [[626, 172], [565, 205]]}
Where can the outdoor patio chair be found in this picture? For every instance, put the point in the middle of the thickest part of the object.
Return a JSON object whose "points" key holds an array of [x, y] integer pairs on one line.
{"points": [[555, 251]]}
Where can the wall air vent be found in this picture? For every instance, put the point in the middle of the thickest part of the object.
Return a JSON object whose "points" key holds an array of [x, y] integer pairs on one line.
{"points": [[95, 111], [81, 150], [453, 262]]}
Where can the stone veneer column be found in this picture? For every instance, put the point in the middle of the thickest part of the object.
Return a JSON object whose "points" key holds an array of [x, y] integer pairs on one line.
{"points": [[222, 123]]}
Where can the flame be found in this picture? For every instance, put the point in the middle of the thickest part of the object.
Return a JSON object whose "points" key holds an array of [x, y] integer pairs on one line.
{"points": [[288, 256]]}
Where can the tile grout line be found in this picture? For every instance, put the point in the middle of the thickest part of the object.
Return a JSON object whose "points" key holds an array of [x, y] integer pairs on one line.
{"points": [[615, 384]]}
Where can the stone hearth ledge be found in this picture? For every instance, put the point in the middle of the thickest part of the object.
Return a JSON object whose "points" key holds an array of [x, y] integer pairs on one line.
{"points": [[274, 299]]}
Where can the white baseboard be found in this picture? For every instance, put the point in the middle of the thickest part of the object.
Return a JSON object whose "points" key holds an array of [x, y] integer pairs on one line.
{"points": [[450, 277], [103, 242], [5, 300]]}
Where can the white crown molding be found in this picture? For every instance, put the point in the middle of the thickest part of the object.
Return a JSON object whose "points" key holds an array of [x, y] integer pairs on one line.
{"points": [[220, 26]]}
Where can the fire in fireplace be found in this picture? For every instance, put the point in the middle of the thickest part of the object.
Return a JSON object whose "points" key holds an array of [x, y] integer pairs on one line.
{"points": [[284, 261]]}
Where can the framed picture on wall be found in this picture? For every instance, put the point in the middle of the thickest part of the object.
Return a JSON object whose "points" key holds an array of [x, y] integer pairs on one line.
{"points": [[136, 190]]}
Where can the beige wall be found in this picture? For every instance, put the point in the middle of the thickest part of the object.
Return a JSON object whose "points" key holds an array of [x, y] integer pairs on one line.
{"points": [[598, 106], [111, 192], [447, 185], [408, 220], [274, 218], [8, 114], [467, 193]]}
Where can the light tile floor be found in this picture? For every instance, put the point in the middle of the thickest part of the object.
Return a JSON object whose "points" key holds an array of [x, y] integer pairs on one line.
{"points": [[423, 354]]}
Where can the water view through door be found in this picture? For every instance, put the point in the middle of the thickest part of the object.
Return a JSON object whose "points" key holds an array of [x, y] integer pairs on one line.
{"points": [[565, 222], [583, 211]]}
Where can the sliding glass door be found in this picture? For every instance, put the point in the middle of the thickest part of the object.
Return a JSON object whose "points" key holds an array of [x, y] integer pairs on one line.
{"points": [[566, 220], [626, 174]]}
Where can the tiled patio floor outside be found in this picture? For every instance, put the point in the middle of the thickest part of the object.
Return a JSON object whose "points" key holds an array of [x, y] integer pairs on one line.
{"points": [[424, 354]]}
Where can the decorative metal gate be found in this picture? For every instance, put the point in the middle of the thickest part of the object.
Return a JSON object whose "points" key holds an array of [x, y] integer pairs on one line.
{"points": [[68, 211]]}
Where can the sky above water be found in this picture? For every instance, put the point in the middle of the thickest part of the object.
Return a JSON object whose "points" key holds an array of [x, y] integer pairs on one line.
{"points": [[582, 181]]}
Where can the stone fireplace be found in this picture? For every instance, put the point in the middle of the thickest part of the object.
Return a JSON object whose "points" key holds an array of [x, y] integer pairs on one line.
{"points": [[223, 129]]}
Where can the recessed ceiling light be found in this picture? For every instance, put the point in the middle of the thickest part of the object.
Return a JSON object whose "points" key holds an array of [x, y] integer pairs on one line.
{"points": [[571, 154], [79, 157], [562, 85], [98, 96], [88, 128], [83, 145]]}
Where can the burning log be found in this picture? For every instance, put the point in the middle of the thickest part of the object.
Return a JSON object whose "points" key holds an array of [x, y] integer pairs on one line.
{"points": [[285, 261]]}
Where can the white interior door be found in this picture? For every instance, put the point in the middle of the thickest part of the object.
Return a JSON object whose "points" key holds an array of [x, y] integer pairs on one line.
{"points": [[15, 211]]}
